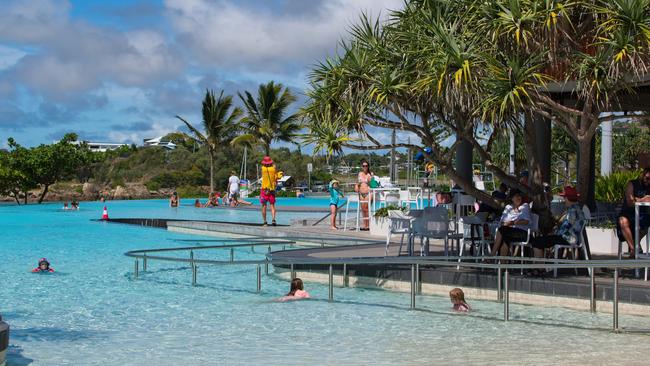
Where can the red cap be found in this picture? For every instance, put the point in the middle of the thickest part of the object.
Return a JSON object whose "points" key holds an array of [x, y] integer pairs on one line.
{"points": [[571, 193], [267, 161]]}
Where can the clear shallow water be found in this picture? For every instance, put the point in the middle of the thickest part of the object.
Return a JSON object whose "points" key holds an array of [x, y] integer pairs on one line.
{"points": [[91, 312]]}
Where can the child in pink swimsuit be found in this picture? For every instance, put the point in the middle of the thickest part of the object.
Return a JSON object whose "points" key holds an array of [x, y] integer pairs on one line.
{"points": [[296, 292], [458, 300]]}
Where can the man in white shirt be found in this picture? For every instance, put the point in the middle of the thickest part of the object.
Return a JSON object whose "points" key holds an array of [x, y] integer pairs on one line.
{"points": [[233, 188]]}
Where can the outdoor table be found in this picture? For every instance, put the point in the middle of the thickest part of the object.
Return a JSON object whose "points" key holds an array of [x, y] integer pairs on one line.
{"points": [[637, 245]]}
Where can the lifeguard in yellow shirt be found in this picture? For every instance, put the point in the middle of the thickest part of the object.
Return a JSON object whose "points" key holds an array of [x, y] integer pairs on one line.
{"points": [[267, 194]]}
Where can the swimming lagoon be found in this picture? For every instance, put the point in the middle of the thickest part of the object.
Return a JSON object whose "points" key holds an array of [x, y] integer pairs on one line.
{"points": [[92, 311]]}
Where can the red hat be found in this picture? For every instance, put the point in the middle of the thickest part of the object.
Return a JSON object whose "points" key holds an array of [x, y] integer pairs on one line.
{"points": [[267, 161], [571, 193]]}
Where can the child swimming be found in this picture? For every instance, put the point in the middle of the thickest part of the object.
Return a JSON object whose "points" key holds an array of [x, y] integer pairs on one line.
{"points": [[457, 298], [296, 292], [43, 266]]}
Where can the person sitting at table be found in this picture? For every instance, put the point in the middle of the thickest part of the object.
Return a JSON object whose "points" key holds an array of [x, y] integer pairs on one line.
{"points": [[637, 190], [567, 230], [499, 194], [513, 226]]}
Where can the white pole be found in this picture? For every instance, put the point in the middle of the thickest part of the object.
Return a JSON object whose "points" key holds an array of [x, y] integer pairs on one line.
{"points": [[606, 149]]}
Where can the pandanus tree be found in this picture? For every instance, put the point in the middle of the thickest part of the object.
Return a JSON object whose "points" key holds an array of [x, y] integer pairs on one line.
{"points": [[266, 118], [453, 73], [220, 122]]}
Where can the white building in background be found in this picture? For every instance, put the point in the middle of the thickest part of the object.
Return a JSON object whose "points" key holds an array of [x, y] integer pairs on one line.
{"points": [[101, 146], [158, 141]]}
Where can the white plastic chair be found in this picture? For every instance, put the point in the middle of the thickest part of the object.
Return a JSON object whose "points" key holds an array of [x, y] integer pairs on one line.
{"points": [[432, 224], [399, 223], [392, 199], [580, 244], [353, 198], [414, 195], [533, 229]]}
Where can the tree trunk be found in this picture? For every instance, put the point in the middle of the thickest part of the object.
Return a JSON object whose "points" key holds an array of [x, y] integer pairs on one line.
{"points": [[15, 196], [584, 169], [536, 169], [40, 199], [211, 153]]}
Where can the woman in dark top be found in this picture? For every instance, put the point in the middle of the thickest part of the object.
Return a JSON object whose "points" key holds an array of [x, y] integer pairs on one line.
{"points": [[637, 190]]}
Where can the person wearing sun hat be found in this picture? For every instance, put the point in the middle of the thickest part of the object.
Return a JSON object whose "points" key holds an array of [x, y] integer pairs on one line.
{"points": [[567, 230], [335, 195], [267, 193]]}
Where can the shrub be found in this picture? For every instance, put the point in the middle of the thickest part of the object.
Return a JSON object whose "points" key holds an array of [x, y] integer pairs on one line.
{"points": [[611, 188], [152, 185], [383, 212]]}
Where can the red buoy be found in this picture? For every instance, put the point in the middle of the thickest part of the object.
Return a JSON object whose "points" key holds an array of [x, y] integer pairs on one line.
{"points": [[105, 214]]}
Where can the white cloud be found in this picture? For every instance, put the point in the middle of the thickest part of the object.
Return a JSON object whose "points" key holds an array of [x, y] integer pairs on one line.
{"points": [[72, 56], [234, 35], [9, 56]]}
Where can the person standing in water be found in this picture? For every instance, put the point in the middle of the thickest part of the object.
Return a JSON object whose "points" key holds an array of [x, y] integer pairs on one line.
{"points": [[267, 193], [174, 200], [233, 188]]}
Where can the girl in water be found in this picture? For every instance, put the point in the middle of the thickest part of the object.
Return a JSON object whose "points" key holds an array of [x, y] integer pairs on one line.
{"points": [[173, 200], [457, 298], [43, 266], [296, 292]]}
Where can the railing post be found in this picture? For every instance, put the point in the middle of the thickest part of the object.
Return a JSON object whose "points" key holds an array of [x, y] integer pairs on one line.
{"points": [[144, 262], [412, 286], [193, 274], [506, 299], [259, 278], [136, 268], [418, 283], [266, 266], [232, 254], [499, 284], [345, 275], [592, 287], [193, 268], [615, 298], [293, 272], [331, 283]]}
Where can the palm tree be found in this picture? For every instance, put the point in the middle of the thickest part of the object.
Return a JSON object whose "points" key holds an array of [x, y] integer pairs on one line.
{"points": [[265, 119], [220, 124]]}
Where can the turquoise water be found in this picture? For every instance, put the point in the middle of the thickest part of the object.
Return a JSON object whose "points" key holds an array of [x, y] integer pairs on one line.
{"points": [[92, 312]]}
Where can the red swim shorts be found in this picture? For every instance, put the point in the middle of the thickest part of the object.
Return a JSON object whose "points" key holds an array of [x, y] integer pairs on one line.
{"points": [[267, 197]]}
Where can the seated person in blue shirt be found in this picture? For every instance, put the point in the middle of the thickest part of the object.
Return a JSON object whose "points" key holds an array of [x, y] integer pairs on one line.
{"points": [[514, 224], [567, 230]]}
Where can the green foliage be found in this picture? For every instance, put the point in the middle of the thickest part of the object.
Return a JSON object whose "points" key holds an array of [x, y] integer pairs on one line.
{"points": [[219, 123], [383, 212], [190, 191], [44, 165], [278, 194], [627, 145], [192, 177], [612, 187], [265, 120]]}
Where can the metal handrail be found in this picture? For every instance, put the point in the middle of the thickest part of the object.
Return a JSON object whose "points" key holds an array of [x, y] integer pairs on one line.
{"points": [[414, 262]]}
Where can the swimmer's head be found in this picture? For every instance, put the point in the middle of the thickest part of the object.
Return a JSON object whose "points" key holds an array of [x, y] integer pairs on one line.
{"points": [[43, 264], [296, 284]]}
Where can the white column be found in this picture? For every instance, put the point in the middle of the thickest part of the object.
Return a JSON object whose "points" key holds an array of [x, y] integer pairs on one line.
{"points": [[606, 149]]}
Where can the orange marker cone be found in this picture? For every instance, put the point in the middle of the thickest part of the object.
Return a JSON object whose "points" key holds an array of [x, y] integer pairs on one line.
{"points": [[105, 214]]}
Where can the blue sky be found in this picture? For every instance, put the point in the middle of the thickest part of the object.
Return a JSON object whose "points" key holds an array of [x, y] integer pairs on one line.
{"points": [[120, 70]]}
